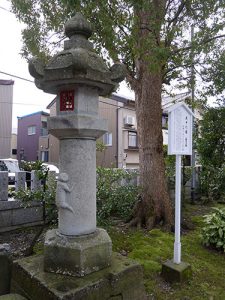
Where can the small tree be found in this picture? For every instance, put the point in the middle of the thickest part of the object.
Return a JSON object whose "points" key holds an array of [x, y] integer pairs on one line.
{"points": [[211, 148]]}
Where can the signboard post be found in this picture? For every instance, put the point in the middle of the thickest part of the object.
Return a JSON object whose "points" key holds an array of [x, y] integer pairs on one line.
{"points": [[179, 143]]}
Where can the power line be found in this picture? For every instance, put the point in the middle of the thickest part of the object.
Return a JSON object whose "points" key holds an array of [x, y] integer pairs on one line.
{"points": [[20, 103], [117, 105], [22, 78], [3, 8]]}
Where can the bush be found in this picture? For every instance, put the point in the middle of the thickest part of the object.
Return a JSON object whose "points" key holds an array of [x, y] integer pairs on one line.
{"points": [[212, 183], [213, 233], [211, 148], [170, 161], [45, 195], [116, 194]]}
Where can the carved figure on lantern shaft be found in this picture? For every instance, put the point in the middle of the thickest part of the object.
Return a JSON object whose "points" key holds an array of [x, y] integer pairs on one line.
{"points": [[61, 192]]}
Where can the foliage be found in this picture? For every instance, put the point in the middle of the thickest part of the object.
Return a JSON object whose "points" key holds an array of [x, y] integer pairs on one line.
{"points": [[31, 165], [117, 25], [213, 233], [151, 248], [170, 161], [46, 198], [212, 183], [100, 146], [45, 195], [41, 170], [211, 148], [116, 194]]}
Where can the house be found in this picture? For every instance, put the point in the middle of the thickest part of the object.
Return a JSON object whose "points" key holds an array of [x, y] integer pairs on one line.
{"points": [[121, 116], [121, 141], [32, 138], [14, 144], [6, 103]]}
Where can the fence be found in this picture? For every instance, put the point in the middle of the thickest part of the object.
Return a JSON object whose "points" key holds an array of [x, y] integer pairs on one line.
{"points": [[12, 212]]}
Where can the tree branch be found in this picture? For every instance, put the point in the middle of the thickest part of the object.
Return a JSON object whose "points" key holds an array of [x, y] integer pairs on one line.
{"points": [[174, 22], [203, 42], [179, 11]]}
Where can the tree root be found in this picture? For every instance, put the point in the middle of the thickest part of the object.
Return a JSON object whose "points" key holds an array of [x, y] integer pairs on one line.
{"points": [[142, 217]]}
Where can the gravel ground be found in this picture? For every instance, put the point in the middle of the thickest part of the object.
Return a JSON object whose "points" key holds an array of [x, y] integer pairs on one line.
{"points": [[19, 240]]}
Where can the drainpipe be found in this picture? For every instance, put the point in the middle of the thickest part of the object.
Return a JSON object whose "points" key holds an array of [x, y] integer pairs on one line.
{"points": [[117, 137]]}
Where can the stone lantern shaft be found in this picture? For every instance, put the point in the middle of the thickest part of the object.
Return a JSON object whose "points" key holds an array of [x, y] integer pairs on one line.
{"points": [[77, 134]]}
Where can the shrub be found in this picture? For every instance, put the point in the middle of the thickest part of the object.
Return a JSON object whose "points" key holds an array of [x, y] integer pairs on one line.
{"points": [[211, 148], [212, 183], [213, 233], [45, 195], [170, 161], [116, 194]]}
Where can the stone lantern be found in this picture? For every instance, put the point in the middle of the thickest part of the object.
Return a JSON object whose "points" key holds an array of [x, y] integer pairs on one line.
{"points": [[77, 75]]}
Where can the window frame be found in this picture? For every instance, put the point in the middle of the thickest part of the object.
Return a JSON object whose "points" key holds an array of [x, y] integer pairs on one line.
{"points": [[107, 139], [33, 132], [132, 134]]}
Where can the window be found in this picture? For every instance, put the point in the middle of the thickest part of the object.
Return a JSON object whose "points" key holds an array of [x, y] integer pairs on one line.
{"points": [[164, 121], [44, 155], [107, 139], [44, 129], [14, 151], [132, 139], [3, 166], [31, 130]]}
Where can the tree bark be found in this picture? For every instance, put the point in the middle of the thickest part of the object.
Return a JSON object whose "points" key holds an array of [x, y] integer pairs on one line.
{"points": [[154, 206]]}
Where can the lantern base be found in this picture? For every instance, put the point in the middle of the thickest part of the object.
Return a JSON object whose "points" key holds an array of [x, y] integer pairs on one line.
{"points": [[77, 255], [122, 280]]}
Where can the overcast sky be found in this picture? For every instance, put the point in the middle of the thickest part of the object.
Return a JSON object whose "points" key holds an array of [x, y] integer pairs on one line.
{"points": [[26, 97]]}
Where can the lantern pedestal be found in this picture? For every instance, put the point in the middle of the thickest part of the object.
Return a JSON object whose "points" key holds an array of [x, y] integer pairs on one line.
{"points": [[77, 256]]}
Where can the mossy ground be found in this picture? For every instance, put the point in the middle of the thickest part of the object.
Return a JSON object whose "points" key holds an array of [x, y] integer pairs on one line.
{"points": [[151, 248]]}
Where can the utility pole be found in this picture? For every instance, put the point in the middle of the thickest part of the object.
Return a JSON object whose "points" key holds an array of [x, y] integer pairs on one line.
{"points": [[193, 174]]}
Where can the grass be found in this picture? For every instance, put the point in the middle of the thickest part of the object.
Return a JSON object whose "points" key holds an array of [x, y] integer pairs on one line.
{"points": [[151, 248]]}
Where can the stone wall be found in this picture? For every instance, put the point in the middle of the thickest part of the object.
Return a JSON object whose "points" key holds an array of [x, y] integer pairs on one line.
{"points": [[12, 213]]}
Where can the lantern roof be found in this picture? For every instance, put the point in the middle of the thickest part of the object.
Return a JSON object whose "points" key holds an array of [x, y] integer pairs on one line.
{"points": [[77, 64]]}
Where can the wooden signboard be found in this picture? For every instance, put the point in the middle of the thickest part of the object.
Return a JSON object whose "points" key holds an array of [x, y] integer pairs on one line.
{"points": [[180, 130]]}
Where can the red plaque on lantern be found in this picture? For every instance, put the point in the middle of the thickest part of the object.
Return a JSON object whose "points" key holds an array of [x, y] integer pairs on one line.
{"points": [[66, 100]]}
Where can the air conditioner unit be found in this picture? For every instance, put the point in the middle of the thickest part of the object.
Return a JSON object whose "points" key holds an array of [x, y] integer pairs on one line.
{"points": [[129, 120]]}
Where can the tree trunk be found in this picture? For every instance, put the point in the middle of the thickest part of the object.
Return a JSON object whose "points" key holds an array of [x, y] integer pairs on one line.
{"points": [[154, 206]]}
